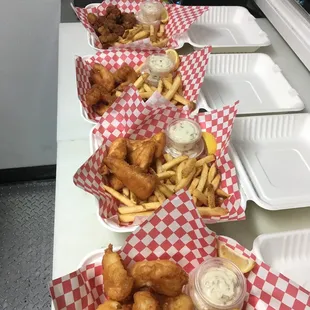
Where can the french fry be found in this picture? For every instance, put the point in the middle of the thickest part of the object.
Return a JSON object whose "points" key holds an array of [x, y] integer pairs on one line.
{"points": [[147, 88], [160, 86], [161, 197], [152, 33], [147, 94], [153, 88], [171, 187], [168, 182], [188, 167], [181, 99], [198, 172], [165, 190], [167, 83], [127, 218], [168, 157], [174, 87], [222, 194], [149, 206], [193, 185], [173, 179], [161, 31], [141, 35], [200, 196], [216, 181], [165, 175], [160, 43], [152, 198], [203, 177], [179, 171], [180, 89], [212, 173], [132, 32], [158, 166], [186, 181], [119, 196], [173, 162], [133, 197], [205, 160], [118, 93], [138, 69], [207, 211], [174, 102], [211, 196], [125, 191], [170, 78], [140, 81]]}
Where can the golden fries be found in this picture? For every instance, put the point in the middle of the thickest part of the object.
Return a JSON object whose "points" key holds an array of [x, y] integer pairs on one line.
{"points": [[165, 190], [207, 211], [186, 181], [205, 160], [189, 167], [173, 162], [203, 177], [211, 196], [130, 217], [174, 87], [161, 197], [165, 175], [140, 81], [212, 173], [119, 196], [200, 196]]}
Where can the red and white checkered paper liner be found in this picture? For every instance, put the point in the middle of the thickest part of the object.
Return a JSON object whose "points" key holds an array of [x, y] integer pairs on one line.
{"points": [[177, 232], [133, 118], [192, 68], [180, 19]]}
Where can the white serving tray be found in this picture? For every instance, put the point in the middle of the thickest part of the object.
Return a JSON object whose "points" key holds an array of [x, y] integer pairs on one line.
{"points": [[287, 252], [253, 79], [228, 29], [272, 157]]}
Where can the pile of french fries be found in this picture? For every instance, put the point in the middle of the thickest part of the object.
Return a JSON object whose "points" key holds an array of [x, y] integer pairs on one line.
{"points": [[200, 177], [170, 87], [139, 32]]}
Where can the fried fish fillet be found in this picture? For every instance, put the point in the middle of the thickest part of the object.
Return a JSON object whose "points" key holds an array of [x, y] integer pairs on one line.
{"points": [[181, 302], [162, 276], [145, 301], [117, 283], [140, 183]]}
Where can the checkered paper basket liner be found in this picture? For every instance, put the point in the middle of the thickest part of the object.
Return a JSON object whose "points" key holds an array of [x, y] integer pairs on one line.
{"points": [[180, 19], [192, 69], [177, 232], [133, 118]]}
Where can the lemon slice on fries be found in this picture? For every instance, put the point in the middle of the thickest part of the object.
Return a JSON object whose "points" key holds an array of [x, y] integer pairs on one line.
{"points": [[174, 56], [164, 16], [210, 142], [243, 263]]}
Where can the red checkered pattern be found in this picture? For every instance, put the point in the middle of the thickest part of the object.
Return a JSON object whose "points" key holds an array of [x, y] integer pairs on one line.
{"points": [[176, 232], [180, 19], [133, 118], [192, 68]]}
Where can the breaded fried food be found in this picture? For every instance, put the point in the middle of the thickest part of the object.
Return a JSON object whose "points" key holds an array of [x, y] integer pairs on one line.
{"points": [[181, 302], [162, 276], [143, 155], [145, 301], [140, 183], [125, 75], [107, 78], [115, 182], [110, 305], [117, 283]]}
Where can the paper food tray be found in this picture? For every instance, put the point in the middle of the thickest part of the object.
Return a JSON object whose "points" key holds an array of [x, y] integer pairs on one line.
{"points": [[184, 239], [272, 158], [229, 29], [287, 252], [254, 79]]}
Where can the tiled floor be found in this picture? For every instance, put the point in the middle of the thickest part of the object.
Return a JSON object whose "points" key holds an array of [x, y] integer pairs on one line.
{"points": [[26, 245]]}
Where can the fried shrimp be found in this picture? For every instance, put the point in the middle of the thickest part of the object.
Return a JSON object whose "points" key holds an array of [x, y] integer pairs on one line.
{"points": [[117, 283]]}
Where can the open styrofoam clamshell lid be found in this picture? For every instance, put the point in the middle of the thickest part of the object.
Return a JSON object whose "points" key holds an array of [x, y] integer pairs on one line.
{"points": [[287, 252], [272, 157], [253, 79], [227, 29]]}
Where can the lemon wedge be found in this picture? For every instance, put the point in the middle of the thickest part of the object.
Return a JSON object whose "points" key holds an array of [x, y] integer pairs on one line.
{"points": [[210, 142], [174, 56], [243, 263], [164, 16]]}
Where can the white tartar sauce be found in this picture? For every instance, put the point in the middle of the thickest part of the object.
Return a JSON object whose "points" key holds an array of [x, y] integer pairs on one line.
{"points": [[151, 10], [183, 132], [220, 286], [160, 64]]}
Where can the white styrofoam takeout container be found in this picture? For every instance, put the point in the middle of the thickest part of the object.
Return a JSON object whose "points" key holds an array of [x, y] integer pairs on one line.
{"points": [[287, 252], [272, 157], [253, 79], [228, 29]]}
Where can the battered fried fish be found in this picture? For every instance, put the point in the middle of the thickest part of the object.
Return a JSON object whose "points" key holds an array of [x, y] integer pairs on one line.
{"points": [[117, 283], [162, 276], [125, 75], [113, 305], [181, 302], [145, 301], [107, 78], [140, 183]]}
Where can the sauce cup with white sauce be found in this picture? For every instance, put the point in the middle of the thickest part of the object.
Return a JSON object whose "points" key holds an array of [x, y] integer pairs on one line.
{"points": [[184, 138], [151, 11], [217, 284]]}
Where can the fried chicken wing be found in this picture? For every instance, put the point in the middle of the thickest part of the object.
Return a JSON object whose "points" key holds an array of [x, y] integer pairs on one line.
{"points": [[140, 183], [162, 276], [143, 155], [117, 283], [107, 78], [125, 75], [145, 301], [181, 302]]}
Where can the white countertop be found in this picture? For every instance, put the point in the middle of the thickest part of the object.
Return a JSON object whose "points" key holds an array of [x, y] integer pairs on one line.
{"points": [[77, 229]]}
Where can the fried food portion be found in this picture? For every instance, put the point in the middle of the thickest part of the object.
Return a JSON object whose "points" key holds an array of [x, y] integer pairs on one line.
{"points": [[118, 148], [115, 182], [107, 79], [181, 302], [125, 75], [144, 300], [110, 305], [117, 283], [140, 183], [162, 276]]}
